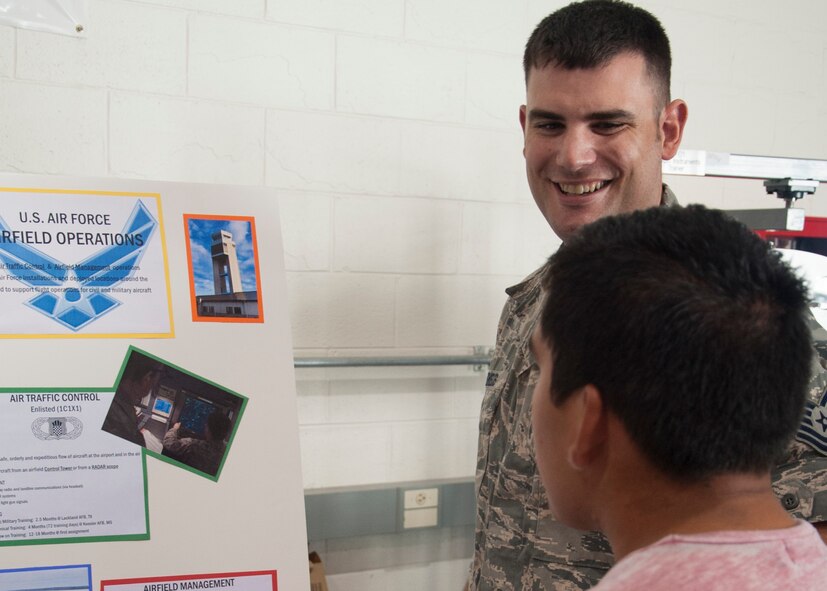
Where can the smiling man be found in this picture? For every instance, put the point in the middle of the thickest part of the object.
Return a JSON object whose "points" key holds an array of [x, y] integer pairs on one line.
{"points": [[598, 123], [595, 137]]}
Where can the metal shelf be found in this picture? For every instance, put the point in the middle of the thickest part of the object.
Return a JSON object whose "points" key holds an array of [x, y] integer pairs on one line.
{"points": [[478, 359], [721, 164]]}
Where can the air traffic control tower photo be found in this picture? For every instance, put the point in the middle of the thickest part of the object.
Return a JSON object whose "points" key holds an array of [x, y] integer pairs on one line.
{"points": [[229, 299]]}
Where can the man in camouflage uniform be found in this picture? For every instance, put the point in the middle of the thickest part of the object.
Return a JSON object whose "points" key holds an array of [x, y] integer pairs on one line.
{"points": [[597, 123]]}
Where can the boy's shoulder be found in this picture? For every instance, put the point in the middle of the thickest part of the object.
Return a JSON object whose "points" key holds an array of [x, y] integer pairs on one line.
{"points": [[790, 558]]}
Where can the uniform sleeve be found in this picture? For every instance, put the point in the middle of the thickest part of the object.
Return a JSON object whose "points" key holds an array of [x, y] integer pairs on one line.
{"points": [[173, 442], [800, 480], [801, 483]]}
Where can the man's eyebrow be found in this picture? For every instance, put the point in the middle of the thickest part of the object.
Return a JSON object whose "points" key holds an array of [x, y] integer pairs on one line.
{"points": [[611, 115], [543, 114]]}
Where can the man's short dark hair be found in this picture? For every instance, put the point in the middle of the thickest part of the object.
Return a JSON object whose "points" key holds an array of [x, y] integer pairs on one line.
{"points": [[219, 425], [138, 366], [586, 35], [692, 328]]}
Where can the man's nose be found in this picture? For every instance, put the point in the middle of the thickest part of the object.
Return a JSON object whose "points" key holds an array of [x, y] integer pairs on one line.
{"points": [[577, 150]]}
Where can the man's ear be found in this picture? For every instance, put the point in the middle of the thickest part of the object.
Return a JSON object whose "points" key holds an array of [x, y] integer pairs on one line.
{"points": [[674, 120], [590, 430], [523, 124]]}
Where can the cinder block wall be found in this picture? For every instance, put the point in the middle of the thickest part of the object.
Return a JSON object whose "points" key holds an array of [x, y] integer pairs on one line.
{"points": [[388, 131]]}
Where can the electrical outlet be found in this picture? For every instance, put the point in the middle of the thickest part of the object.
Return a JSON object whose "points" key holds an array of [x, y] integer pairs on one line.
{"points": [[421, 498]]}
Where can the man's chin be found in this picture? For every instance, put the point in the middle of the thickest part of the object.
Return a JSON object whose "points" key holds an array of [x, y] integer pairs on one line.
{"points": [[571, 224]]}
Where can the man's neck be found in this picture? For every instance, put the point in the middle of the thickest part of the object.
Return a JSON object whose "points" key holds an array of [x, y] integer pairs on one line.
{"points": [[640, 515]]}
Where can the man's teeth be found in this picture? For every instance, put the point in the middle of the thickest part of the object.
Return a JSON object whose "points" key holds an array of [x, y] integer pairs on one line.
{"points": [[581, 189]]}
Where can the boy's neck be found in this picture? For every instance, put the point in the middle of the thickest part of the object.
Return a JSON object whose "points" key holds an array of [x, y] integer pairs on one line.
{"points": [[638, 514]]}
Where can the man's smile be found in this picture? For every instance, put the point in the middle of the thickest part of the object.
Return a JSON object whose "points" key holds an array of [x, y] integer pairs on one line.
{"points": [[581, 188]]}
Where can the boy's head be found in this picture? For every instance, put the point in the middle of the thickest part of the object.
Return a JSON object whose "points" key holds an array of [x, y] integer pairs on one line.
{"points": [[678, 327]]}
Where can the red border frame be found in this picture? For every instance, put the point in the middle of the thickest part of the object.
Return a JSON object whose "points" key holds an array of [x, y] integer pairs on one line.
{"points": [[257, 573]]}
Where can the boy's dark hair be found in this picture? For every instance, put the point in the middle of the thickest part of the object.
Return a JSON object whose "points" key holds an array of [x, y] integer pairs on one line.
{"points": [[586, 35], [693, 330]]}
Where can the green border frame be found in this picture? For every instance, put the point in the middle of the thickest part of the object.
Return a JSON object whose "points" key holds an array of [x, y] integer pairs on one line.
{"points": [[169, 460], [115, 538]]}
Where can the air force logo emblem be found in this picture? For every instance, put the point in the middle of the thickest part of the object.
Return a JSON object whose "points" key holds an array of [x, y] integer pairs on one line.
{"points": [[813, 429], [57, 428], [73, 295]]}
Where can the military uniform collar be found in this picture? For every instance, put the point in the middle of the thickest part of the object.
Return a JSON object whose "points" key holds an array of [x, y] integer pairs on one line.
{"points": [[532, 282]]}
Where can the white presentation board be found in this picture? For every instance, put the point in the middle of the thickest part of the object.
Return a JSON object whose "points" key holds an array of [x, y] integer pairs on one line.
{"points": [[148, 422]]}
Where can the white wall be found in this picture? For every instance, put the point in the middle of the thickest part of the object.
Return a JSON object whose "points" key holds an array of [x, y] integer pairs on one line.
{"points": [[388, 129]]}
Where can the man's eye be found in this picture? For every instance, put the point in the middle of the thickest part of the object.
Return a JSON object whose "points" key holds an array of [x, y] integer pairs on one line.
{"points": [[549, 126], [608, 126]]}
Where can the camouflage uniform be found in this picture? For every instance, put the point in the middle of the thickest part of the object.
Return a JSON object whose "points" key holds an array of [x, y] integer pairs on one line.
{"points": [[121, 420], [800, 480], [518, 544]]}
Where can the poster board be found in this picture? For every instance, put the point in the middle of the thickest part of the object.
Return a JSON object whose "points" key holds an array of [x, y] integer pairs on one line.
{"points": [[99, 278]]}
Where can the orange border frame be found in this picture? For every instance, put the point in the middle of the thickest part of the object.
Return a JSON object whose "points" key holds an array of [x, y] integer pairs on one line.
{"points": [[194, 306]]}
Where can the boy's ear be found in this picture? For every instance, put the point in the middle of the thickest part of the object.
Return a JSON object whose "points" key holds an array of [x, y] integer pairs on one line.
{"points": [[590, 430]]}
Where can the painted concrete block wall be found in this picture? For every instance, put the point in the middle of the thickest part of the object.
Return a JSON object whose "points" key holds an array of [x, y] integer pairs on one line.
{"points": [[388, 131]]}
